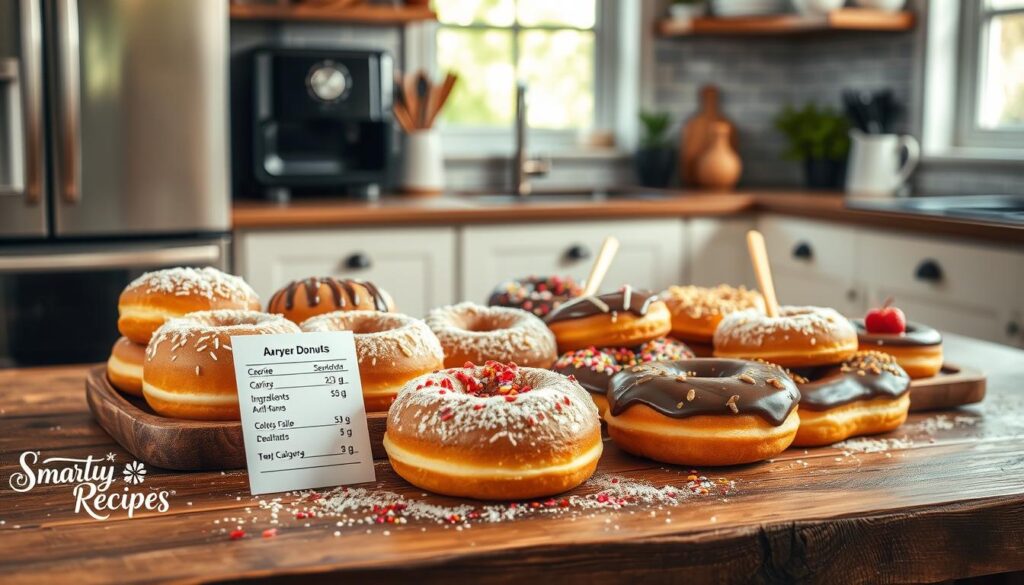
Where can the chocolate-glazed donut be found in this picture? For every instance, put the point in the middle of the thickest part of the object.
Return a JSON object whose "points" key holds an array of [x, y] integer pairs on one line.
{"points": [[865, 395], [918, 350], [538, 294], [302, 299], [619, 319], [703, 411]]}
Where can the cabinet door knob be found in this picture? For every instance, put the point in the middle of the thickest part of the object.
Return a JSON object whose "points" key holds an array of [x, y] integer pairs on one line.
{"points": [[358, 261], [851, 295], [803, 251], [1012, 329], [577, 252], [929, 271]]}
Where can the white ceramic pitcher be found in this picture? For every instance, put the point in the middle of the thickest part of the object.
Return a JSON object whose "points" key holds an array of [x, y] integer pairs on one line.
{"points": [[874, 169]]}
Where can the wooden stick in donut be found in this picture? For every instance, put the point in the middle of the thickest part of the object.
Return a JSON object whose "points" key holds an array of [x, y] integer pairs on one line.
{"points": [[609, 248]]}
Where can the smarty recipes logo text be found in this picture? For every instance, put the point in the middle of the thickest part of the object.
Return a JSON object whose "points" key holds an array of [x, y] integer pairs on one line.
{"points": [[92, 480]]}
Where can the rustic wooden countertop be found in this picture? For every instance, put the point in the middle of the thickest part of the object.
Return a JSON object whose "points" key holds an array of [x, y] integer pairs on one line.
{"points": [[941, 498], [453, 210]]}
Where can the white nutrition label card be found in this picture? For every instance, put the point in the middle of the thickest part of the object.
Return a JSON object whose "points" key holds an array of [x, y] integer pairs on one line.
{"points": [[303, 417]]}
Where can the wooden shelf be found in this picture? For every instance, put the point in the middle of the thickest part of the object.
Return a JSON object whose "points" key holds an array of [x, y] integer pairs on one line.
{"points": [[860, 19], [369, 14]]}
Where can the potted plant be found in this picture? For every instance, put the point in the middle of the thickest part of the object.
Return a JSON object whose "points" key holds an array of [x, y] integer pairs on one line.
{"points": [[818, 136], [686, 10], [655, 159]]}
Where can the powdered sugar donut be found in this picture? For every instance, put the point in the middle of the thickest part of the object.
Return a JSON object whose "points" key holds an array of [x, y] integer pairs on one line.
{"points": [[799, 337], [471, 333], [154, 297], [189, 370], [391, 348], [493, 432]]}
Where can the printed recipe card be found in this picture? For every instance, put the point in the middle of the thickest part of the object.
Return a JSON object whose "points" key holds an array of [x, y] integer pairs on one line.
{"points": [[303, 417]]}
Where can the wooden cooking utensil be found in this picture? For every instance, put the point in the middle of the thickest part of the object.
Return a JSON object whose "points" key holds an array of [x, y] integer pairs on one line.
{"points": [[423, 86], [411, 94], [698, 133], [439, 96], [602, 263], [763, 271]]}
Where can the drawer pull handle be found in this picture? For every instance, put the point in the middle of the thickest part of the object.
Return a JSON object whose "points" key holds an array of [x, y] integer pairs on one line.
{"points": [[577, 252], [1012, 329], [929, 271], [358, 261], [803, 251]]}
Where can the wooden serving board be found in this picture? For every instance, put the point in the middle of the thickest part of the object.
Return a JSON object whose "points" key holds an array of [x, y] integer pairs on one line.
{"points": [[182, 445], [952, 386]]}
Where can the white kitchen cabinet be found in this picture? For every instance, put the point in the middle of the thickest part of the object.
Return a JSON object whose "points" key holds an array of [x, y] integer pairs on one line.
{"points": [[813, 263], [416, 265], [716, 251], [651, 255]]}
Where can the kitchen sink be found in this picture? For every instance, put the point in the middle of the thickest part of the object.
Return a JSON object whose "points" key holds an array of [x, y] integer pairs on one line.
{"points": [[995, 208], [559, 197]]}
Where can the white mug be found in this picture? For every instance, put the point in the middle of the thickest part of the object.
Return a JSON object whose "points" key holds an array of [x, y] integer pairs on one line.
{"points": [[423, 163], [874, 169]]}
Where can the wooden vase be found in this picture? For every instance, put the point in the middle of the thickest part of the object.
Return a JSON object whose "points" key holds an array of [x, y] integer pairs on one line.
{"points": [[719, 167]]}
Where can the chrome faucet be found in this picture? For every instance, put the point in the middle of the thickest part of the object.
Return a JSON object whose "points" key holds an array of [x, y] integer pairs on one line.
{"points": [[523, 167]]}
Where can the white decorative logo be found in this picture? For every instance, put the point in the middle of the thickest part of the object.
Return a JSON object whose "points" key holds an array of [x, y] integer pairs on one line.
{"points": [[134, 473]]}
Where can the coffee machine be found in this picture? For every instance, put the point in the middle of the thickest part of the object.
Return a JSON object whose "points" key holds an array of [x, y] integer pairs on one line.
{"points": [[321, 122]]}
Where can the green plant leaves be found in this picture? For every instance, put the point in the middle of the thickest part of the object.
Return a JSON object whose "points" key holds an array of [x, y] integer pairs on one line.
{"points": [[814, 132]]}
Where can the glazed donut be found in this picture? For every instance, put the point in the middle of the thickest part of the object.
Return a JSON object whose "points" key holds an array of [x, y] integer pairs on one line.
{"points": [[697, 310], [538, 295], [157, 296], [327, 294], [799, 337], [189, 370], [493, 432], [124, 367], [624, 318], [391, 348], [866, 395], [703, 411], [471, 333], [593, 367], [918, 351]]}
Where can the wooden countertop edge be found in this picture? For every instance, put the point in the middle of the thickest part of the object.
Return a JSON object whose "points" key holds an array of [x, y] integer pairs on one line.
{"points": [[820, 206], [769, 552]]}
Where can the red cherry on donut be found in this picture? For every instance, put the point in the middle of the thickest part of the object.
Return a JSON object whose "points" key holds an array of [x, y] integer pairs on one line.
{"points": [[885, 319]]}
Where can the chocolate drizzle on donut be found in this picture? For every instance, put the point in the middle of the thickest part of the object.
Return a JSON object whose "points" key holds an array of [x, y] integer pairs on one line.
{"points": [[625, 300], [867, 375], [344, 292], [916, 335], [706, 386]]}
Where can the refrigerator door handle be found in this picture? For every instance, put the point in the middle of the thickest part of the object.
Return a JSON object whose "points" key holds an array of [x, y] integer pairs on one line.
{"points": [[69, 100], [206, 254], [24, 78]]}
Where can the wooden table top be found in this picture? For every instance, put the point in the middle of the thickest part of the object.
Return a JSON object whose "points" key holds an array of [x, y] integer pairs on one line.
{"points": [[453, 210], [941, 498]]}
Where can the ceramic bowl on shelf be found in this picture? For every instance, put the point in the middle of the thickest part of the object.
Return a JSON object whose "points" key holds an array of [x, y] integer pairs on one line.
{"points": [[686, 11], [740, 8], [886, 5], [817, 7]]}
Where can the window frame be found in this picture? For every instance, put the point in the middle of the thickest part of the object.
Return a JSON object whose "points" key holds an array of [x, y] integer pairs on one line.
{"points": [[975, 17], [489, 142]]}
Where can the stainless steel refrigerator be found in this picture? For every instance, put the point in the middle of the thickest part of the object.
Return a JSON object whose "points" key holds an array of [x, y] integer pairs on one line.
{"points": [[113, 156]]}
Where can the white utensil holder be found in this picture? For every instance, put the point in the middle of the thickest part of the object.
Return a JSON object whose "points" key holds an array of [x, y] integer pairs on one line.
{"points": [[423, 163]]}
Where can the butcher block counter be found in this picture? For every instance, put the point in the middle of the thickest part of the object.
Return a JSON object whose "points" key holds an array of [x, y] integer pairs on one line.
{"points": [[940, 498], [451, 210]]}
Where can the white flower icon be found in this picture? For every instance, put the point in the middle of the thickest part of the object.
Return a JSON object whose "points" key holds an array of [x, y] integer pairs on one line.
{"points": [[134, 473]]}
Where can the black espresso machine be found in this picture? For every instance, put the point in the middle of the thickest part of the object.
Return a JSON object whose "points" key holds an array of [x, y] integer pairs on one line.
{"points": [[321, 122]]}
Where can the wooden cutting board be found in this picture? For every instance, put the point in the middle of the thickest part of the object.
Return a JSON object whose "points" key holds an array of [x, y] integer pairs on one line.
{"points": [[182, 445], [952, 386], [698, 132]]}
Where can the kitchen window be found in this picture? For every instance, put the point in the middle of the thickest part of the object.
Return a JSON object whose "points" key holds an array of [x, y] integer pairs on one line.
{"points": [[990, 108], [562, 49]]}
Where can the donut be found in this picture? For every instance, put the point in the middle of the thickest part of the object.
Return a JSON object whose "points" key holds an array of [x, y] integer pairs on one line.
{"points": [[536, 294], [918, 351], [593, 367], [189, 370], [618, 319], [493, 432], [865, 395], [799, 337], [391, 349], [124, 367], [703, 411], [154, 297], [697, 310], [471, 333], [313, 296]]}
